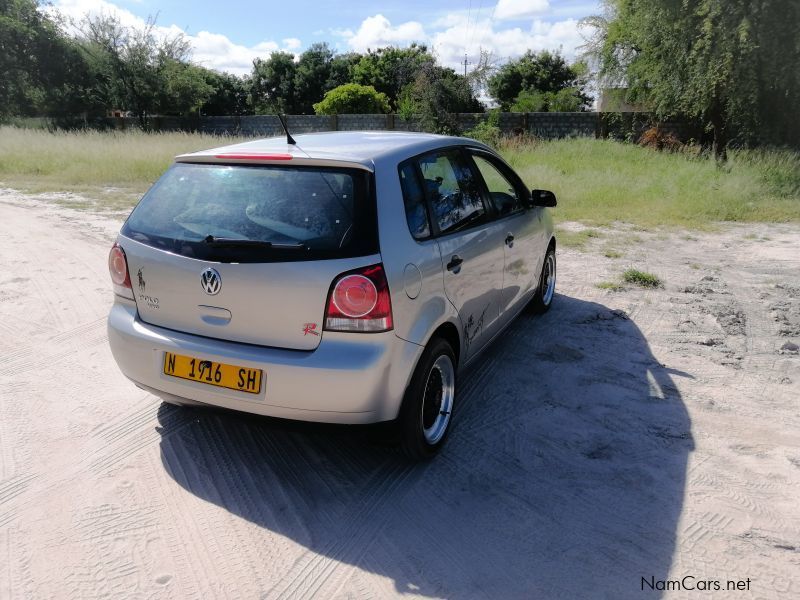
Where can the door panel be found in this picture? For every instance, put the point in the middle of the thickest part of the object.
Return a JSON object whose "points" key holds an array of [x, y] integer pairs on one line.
{"points": [[522, 230], [474, 286], [471, 245]]}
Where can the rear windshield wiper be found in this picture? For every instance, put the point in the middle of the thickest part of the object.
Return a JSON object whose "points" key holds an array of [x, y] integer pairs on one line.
{"points": [[235, 242]]}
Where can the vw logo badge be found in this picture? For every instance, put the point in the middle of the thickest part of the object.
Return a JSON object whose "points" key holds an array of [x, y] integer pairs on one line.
{"points": [[211, 281]]}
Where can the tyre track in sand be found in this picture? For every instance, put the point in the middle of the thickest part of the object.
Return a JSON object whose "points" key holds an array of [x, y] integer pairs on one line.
{"points": [[106, 493]]}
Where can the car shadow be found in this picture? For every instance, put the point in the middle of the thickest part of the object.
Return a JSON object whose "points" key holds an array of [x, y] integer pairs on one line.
{"points": [[563, 477]]}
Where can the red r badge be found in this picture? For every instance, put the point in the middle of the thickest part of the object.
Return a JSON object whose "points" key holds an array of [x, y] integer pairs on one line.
{"points": [[310, 328]]}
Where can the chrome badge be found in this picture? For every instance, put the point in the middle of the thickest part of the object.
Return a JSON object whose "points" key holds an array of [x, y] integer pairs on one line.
{"points": [[211, 281]]}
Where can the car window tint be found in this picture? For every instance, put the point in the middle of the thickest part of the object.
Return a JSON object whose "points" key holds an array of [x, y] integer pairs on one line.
{"points": [[502, 192], [414, 200], [453, 191], [321, 209]]}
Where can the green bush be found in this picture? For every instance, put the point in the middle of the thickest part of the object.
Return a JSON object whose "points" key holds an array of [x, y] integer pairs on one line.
{"points": [[352, 98], [487, 131]]}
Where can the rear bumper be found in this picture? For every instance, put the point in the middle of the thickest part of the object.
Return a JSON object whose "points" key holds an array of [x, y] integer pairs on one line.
{"points": [[349, 378]]}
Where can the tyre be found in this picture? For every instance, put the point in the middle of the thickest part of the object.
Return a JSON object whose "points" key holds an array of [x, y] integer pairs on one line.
{"points": [[547, 283], [428, 404]]}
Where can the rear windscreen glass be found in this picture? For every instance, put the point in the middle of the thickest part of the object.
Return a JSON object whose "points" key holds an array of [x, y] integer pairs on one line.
{"points": [[257, 213]]}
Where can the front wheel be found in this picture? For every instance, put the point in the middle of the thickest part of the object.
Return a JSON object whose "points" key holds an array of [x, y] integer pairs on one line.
{"points": [[428, 405], [547, 283]]}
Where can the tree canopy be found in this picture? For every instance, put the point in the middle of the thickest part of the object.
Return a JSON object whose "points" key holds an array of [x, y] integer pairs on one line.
{"points": [[32, 81], [729, 64], [543, 75], [390, 70]]}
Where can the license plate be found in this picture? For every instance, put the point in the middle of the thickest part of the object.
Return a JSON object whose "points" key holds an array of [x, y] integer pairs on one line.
{"points": [[232, 377]]}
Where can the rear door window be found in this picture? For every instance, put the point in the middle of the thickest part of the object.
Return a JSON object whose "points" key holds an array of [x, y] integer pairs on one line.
{"points": [[414, 200], [454, 191], [268, 213]]}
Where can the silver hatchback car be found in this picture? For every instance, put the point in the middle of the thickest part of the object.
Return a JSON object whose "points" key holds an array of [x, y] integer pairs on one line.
{"points": [[342, 278]]}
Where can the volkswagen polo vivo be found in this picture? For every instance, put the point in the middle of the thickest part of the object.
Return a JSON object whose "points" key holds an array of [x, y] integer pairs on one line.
{"points": [[342, 278]]}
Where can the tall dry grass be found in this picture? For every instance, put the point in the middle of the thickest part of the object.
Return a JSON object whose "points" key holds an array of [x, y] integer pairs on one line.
{"points": [[596, 181], [601, 181], [45, 161]]}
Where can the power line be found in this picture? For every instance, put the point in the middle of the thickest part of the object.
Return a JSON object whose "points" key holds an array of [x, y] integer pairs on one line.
{"points": [[466, 25], [475, 26]]}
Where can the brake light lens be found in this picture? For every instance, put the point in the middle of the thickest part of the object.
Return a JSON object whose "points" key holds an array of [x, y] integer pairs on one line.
{"points": [[359, 301], [254, 156], [118, 268]]}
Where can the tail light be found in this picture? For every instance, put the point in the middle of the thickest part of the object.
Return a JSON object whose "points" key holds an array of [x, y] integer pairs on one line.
{"points": [[359, 301], [118, 268]]}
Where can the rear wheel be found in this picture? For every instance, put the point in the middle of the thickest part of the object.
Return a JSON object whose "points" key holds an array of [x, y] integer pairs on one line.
{"points": [[547, 283], [428, 405]]}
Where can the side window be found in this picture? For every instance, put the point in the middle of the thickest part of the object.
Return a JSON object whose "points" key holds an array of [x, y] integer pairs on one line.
{"points": [[503, 194], [454, 191], [414, 200]]}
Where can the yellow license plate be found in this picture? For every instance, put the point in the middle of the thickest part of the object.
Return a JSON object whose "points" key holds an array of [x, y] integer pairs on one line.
{"points": [[242, 379]]}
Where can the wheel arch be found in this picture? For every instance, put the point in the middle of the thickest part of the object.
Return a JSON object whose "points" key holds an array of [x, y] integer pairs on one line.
{"points": [[449, 333]]}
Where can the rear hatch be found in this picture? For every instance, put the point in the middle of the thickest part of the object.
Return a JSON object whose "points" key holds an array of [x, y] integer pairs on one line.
{"points": [[247, 253]]}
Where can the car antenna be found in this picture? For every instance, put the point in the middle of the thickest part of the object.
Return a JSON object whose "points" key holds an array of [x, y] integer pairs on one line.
{"points": [[289, 138]]}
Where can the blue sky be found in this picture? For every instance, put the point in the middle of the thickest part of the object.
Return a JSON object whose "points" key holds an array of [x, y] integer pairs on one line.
{"points": [[228, 35]]}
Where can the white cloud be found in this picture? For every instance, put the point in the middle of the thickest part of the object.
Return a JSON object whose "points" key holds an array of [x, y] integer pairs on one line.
{"points": [[377, 31], [456, 33], [507, 10], [451, 43], [211, 50], [450, 36], [292, 43]]}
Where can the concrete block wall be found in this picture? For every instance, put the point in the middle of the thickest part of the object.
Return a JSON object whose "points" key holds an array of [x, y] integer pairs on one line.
{"points": [[363, 122], [542, 125], [561, 125]]}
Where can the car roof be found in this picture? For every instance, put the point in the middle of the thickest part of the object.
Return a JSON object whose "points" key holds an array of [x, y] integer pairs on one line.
{"points": [[336, 148]]}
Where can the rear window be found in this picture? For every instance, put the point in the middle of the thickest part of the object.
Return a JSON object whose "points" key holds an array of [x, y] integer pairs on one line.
{"points": [[263, 213]]}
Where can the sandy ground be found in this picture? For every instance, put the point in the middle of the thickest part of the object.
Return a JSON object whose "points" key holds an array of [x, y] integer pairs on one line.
{"points": [[624, 436]]}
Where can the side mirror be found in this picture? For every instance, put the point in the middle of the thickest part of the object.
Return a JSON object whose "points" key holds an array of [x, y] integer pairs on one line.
{"points": [[543, 198]]}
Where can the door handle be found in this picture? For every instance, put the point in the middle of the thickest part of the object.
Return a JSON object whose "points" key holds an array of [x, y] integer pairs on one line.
{"points": [[455, 263], [509, 240]]}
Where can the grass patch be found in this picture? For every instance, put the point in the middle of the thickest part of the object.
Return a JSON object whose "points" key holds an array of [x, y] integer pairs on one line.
{"points": [[597, 182], [611, 253], [611, 286], [114, 168], [576, 239], [641, 278], [602, 181]]}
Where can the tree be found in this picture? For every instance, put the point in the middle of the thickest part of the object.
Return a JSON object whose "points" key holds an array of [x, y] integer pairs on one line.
{"points": [[41, 70], [542, 72], [230, 95], [352, 98], [342, 66], [390, 69], [272, 84], [137, 70], [435, 95], [311, 76], [184, 89], [731, 65]]}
